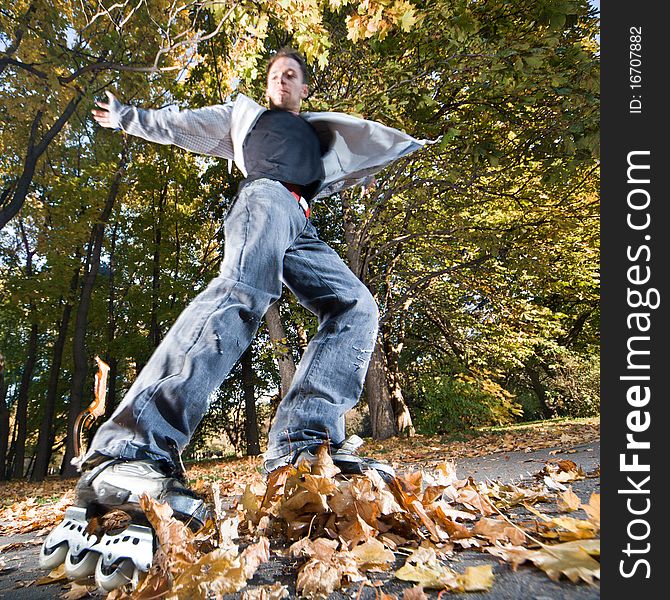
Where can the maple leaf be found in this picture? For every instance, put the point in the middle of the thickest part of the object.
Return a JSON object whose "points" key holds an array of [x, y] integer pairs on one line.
{"points": [[317, 579], [414, 507], [251, 504], [562, 471], [321, 548], [592, 509], [407, 14], [355, 531], [568, 501], [254, 555], [301, 502], [175, 538], [326, 571], [471, 497], [277, 481], [57, 574], [112, 522], [571, 559], [476, 579], [319, 484], [372, 555], [495, 530], [423, 567], [324, 465], [575, 529], [219, 572], [573, 562], [565, 465], [442, 510], [386, 502], [411, 482], [510, 495]]}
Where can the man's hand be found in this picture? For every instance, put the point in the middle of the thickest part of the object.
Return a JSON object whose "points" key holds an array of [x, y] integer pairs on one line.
{"points": [[104, 117]]}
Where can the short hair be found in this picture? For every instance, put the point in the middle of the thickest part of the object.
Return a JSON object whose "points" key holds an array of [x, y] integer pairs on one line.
{"points": [[289, 53]]}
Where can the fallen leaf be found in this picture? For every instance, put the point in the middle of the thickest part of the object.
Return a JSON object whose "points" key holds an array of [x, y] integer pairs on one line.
{"points": [[77, 591], [112, 522], [572, 562], [175, 538], [571, 559], [324, 465], [372, 555], [477, 579], [218, 572], [568, 501], [54, 576], [495, 530], [414, 593], [424, 568], [552, 484], [276, 591], [472, 498], [318, 579], [326, 572], [592, 509]]}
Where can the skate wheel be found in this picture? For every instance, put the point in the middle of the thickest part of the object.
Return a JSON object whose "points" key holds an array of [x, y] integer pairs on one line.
{"points": [[121, 573], [81, 566], [52, 556]]}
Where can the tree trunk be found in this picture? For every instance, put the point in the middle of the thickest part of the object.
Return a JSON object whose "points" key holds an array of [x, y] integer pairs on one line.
{"points": [[4, 419], [155, 333], [379, 398], [10, 453], [249, 391], [81, 319], [403, 419], [382, 400], [22, 405], [17, 190], [401, 415], [281, 349], [111, 403], [112, 361], [46, 433], [539, 389]]}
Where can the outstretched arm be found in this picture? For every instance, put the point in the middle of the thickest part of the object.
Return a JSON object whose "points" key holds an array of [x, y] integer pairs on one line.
{"points": [[204, 130]]}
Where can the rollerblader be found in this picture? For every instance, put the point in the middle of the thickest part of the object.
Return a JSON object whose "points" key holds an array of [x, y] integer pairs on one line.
{"points": [[288, 158]]}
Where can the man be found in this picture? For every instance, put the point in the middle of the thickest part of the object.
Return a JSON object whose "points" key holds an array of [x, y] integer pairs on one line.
{"points": [[287, 159]]}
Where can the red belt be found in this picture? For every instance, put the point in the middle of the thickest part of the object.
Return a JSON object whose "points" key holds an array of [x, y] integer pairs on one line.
{"points": [[295, 191]]}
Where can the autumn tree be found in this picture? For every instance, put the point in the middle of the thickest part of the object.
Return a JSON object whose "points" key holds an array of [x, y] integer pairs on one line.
{"points": [[481, 249]]}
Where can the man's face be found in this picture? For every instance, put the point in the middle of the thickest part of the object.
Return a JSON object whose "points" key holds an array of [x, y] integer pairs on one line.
{"points": [[285, 87]]}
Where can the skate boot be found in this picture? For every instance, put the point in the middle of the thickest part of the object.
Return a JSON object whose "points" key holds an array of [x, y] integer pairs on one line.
{"points": [[344, 456], [118, 556]]}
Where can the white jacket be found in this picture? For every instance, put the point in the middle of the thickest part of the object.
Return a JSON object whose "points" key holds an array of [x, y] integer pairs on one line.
{"points": [[357, 148]]}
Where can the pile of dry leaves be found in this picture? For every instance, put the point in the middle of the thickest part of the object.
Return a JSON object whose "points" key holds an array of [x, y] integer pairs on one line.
{"points": [[341, 530], [337, 531]]}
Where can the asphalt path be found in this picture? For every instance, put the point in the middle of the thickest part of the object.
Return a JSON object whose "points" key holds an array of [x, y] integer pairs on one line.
{"points": [[18, 579]]}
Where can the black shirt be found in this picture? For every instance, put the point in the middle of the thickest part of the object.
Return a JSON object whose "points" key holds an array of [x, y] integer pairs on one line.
{"points": [[284, 147]]}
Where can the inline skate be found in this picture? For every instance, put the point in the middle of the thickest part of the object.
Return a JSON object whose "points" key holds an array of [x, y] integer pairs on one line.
{"points": [[118, 555]]}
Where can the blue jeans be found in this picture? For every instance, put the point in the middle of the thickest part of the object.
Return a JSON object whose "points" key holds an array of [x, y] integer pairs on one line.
{"points": [[268, 240]]}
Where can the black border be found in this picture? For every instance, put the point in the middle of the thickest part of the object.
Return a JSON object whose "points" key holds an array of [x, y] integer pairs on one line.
{"points": [[621, 133]]}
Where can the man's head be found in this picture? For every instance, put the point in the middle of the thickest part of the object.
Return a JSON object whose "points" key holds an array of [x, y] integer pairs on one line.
{"points": [[286, 80]]}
